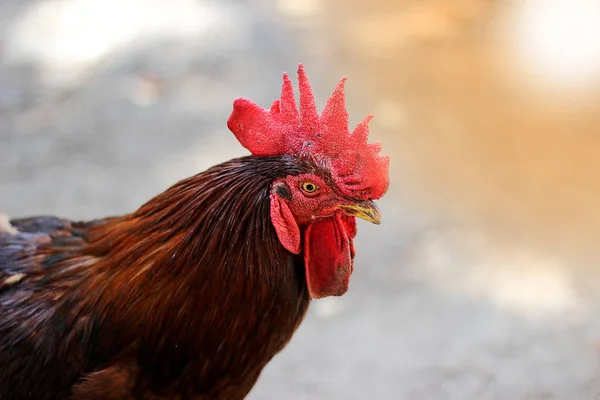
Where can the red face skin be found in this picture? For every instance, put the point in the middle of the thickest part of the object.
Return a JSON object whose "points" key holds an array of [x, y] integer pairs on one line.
{"points": [[311, 198], [306, 205]]}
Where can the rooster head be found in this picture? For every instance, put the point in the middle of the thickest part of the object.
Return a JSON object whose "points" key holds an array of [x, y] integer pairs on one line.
{"points": [[314, 213]]}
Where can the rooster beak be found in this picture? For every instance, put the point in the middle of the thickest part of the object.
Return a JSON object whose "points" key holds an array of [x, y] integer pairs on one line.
{"points": [[366, 210]]}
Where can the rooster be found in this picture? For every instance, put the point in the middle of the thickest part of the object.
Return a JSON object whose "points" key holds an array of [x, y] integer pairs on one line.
{"points": [[190, 296]]}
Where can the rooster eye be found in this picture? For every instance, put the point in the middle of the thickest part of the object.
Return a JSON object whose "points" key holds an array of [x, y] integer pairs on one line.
{"points": [[309, 187]]}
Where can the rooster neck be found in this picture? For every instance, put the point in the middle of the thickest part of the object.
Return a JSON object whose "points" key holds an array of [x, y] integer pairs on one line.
{"points": [[199, 276], [216, 225]]}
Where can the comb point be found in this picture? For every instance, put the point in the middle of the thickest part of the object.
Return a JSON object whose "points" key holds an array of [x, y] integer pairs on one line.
{"points": [[287, 100], [361, 132]]}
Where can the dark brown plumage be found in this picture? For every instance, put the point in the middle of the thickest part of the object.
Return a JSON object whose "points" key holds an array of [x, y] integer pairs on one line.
{"points": [[189, 297]]}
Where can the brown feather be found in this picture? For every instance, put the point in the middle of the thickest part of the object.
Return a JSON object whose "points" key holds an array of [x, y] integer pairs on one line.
{"points": [[188, 297]]}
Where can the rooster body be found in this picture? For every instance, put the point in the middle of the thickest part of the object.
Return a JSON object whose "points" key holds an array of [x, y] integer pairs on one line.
{"points": [[190, 296]]}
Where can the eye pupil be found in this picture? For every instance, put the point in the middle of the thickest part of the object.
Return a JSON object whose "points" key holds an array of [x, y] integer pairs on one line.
{"points": [[309, 187]]}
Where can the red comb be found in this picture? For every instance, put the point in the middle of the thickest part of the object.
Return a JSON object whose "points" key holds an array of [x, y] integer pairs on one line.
{"points": [[355, 165]]}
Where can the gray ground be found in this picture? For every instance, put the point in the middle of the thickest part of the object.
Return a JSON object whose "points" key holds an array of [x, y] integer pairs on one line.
{"points": [[104, 104]]}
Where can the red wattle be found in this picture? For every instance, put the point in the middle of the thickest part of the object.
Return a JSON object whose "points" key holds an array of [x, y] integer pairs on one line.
{"points": [[328, 255]]}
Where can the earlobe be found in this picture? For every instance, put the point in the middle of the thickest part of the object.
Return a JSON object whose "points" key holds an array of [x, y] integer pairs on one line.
{"points": [[285, 225]]}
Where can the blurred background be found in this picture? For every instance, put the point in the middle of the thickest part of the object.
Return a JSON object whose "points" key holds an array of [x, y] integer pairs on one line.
{"points": [[481, 282]]}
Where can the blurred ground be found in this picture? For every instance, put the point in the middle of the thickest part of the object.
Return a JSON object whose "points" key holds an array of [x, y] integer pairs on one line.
{"points": [[481, 282]]}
